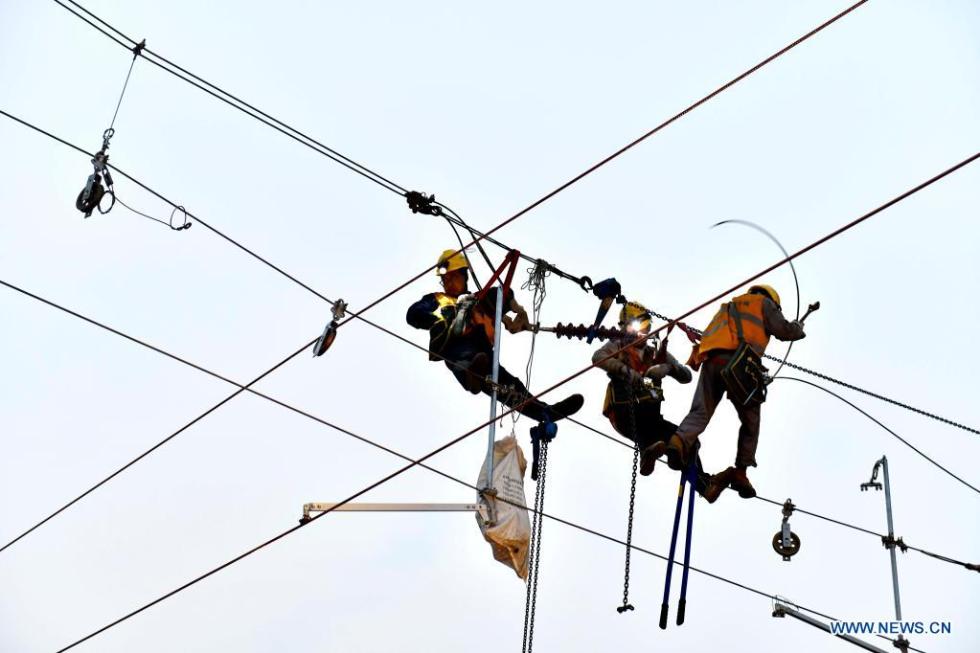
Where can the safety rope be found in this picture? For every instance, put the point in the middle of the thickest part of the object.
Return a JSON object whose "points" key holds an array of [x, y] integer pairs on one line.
{"points": [[536, 284], [534, 551]]}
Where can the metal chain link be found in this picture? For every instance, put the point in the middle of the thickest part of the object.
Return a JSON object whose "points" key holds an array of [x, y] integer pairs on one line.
{"points": [[629, 521], [531, 559], [845, 384], [534, 552]]}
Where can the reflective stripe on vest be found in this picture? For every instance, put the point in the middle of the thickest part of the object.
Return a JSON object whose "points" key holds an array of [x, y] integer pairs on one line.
{"points": [[721, 333]]}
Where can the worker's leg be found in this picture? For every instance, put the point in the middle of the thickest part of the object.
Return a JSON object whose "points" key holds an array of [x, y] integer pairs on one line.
{"points": [[748, 434], [470, 368], [648, 419], [534, 408], [710, 390], [643, 425]]}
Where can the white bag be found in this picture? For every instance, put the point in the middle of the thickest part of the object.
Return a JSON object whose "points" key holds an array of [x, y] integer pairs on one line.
{"points": [[510, 535]]}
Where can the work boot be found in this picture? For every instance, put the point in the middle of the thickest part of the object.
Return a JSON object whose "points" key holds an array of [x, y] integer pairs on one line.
{"points": [[542, 412], [740, 483], [717, 484], [676, 453], [566, 407], [649, 455], [476, 373]]}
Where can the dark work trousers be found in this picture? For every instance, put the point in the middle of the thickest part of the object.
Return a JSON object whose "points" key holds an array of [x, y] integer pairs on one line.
{"points": [[707, 396], [534, 409], [650, 427]]}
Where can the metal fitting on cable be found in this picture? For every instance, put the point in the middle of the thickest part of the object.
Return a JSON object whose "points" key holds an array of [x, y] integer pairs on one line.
{"points": [[785, 542], [890, 542], [329, 334], [422, 203]]}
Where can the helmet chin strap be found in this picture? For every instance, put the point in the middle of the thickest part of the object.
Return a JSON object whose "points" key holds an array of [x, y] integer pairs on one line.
{"points": [[752, 225]]}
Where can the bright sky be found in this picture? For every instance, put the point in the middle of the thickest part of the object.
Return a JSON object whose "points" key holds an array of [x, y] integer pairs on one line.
{"points": [[489, 107]]}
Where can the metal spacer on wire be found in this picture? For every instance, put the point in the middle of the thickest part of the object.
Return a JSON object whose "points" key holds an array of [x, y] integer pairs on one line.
{"points": [[422, 203], [890, 542], [138, 48]]}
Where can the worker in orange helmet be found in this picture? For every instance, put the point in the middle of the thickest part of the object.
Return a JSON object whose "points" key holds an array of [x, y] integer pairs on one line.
{"points": [[461, 333], [729, 357]]}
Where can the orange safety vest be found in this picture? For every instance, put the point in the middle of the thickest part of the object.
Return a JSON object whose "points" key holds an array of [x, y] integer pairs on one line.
{"points": [[722, 333]]}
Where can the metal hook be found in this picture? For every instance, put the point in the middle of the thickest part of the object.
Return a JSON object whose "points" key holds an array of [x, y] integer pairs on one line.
{"points": [[185, 224]]}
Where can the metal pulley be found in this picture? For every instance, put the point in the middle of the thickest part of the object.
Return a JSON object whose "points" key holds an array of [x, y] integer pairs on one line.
{"points": [[329, 334], [90, 198], [785, 542]]}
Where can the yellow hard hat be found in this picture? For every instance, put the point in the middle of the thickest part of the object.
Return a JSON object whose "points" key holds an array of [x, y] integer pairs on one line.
{"points": [[451, 260], [768, 290], [635, 317]]}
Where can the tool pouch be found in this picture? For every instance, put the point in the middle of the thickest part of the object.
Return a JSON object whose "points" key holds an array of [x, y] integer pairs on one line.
{"points": [[744, 375]]}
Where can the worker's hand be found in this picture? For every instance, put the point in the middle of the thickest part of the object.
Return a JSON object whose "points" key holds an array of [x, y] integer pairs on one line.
{"points": [[657, 372], [635, 379], [799, 323], [448, 313], [517, 323]]}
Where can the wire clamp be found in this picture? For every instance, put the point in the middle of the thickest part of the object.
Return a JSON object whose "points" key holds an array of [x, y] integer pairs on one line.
{"points": [[422, 203], [138, 48]]}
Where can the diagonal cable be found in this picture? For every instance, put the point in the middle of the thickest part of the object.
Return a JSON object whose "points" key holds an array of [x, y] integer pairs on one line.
{"points": [[238, 104]]}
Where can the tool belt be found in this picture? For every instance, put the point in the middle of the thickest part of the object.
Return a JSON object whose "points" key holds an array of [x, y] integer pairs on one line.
{"points": [[744, 374], [619, 396]]}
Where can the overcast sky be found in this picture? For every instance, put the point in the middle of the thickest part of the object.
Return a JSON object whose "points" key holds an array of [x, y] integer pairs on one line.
{"points": [[489, 106]]}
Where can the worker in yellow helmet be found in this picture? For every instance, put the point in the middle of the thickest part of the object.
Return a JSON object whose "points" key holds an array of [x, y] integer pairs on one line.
{"points": [[635, 391], [461, 333], [729, 357]]}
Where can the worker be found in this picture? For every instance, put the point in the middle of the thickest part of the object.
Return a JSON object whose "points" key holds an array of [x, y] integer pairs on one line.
{"points": [[751, 319], [461, 333], [635, 393]]}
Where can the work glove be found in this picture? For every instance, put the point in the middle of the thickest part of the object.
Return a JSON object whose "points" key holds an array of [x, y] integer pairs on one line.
{"points": [[658, 372], [517, 323]]}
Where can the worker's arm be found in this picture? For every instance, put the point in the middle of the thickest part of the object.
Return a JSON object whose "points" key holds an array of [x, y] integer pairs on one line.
{"points": [[777, 325], [678, 371], [425, 313], [514, 324], [605, 360]]}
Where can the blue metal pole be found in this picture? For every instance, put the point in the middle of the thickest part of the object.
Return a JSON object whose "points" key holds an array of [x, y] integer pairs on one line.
{"points": [[682, 603], [665, 607]]}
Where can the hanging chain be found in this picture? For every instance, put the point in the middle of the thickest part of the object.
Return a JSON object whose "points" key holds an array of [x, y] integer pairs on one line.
{"points": [[629, 521], [534, 552]]}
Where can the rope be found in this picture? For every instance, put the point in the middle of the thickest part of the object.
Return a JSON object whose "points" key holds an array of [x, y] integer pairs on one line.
{"points": [[535, 283], [125, 85]]}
